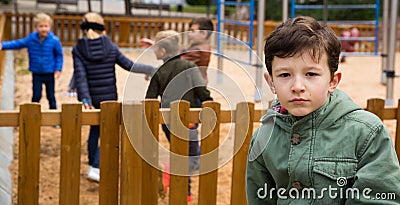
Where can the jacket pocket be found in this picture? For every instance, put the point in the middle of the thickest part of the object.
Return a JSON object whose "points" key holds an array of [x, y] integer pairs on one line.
{"points": [[332, 177], [335, 168]]}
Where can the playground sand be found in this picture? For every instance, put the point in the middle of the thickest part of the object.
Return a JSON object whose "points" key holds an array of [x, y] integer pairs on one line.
{"points": [[361, 80]]}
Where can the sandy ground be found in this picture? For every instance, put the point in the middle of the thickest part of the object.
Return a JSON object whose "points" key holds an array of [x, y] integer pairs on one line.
{"points": [[361, 80]]}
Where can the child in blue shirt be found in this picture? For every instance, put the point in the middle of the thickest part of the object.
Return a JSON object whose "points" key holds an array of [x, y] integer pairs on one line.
{"points": [[45, 57]]}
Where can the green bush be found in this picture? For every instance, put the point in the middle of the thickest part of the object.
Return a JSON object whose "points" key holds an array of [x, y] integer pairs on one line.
{"points": [[198, 2], [5, 1]]}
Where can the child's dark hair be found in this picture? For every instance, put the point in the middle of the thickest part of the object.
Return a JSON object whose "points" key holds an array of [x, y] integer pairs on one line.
{"points": [[299, 35], [204, 24]]}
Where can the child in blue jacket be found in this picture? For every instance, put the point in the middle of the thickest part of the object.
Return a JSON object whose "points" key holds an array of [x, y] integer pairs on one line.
{"points": [[45, 57]]}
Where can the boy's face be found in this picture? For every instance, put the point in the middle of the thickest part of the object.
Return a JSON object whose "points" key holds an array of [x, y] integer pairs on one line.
{"points": [[302, 85], [195, 35], [43, 29]]}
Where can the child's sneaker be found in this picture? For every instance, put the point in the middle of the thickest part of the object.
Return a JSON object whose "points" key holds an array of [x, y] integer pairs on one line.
{"points": [[72, 93], [93, 174]]}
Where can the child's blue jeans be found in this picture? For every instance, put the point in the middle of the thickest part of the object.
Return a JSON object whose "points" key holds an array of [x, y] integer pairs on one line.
{"points": [[48, 80], [93, 148]]}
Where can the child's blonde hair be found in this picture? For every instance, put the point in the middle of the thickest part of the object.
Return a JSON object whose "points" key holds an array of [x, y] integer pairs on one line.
{"points": [[42, 17], [93, 17], [170, 41]]}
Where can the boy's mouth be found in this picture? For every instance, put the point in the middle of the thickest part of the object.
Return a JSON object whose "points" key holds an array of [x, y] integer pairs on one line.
{"points": [[298, 100]]}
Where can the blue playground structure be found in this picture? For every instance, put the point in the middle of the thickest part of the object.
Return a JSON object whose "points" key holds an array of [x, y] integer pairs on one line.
{"points": [[251, 60], [249, 24], [326, 7]]}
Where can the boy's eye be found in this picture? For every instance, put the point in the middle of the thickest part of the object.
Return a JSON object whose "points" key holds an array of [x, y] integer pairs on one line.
{"points": [[284, 75], [311, 74]]}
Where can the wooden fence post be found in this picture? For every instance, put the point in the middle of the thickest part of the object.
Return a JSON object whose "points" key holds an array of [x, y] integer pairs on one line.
{"points": [[29, 153], [376, 106], [71, 128], [7, 27], [135, 33], [179, 124], [243, 132], [210, 130], [124, 32], [150, 152], [131, 161], [110, 121]]}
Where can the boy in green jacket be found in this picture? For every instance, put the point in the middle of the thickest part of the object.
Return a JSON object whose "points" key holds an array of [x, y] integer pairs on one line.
{"points": [[315, 145], [178, 79]]}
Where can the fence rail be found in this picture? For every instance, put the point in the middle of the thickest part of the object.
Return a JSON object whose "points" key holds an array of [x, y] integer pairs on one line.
{"points": [[128, 155], [127, 31]]}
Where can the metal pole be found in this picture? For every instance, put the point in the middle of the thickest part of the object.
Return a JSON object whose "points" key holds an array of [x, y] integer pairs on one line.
{"points": [[251, 30], [390, 74], [89, 6], [15, 6], [293, 9], [220, 30], [285, 10], [325, 11], [160, 8], [127, 7], [237, 8], [260, 42], [101, 7], [385, 29], [377, 16]]}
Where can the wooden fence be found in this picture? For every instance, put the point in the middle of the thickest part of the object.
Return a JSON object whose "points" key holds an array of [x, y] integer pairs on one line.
{"points": [[127, 31], [126, 178], [377, 106]]}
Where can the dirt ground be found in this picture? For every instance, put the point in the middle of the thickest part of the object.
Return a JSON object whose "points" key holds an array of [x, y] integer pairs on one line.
{"points": [[361, 80]]}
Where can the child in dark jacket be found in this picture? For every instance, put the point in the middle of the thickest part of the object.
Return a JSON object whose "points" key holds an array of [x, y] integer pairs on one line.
{"points": [[177, 79], [45, 57], [94, 58]]}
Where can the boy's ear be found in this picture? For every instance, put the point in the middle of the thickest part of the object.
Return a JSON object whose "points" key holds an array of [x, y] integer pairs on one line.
{"points": [[270, 82], [335, 82], [163, 52], [204, 33]]}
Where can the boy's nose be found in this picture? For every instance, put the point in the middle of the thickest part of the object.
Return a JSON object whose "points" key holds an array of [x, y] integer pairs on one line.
{"points": [[298, 85]]}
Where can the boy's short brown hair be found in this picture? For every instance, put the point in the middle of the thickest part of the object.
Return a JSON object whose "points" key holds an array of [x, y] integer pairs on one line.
{"points": [[204, 24], [299, 35]]}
